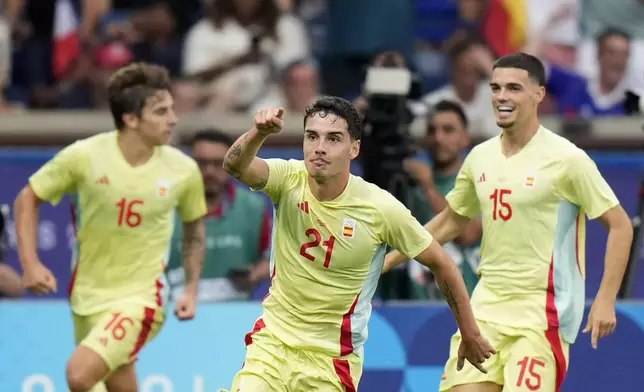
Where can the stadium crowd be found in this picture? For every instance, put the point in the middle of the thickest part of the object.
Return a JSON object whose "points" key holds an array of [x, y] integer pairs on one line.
{"points": [[243, 55]]}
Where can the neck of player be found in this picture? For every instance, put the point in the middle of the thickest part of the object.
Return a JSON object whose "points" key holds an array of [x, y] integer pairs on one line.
{"points": [[134, 149], [516, 137], [330, 188]]}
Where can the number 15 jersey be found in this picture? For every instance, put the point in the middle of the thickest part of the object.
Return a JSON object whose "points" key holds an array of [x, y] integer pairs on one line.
{"points": [[123, 217], [327, 258], [533, 207]]}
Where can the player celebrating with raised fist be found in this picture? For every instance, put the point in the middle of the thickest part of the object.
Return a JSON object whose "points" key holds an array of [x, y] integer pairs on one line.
{"points": [[127, 184], [533, 190], [331, 234]]}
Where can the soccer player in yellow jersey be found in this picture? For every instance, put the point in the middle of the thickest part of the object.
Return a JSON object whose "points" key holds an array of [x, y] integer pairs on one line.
{"points": [[128, 184], [330, 235], [533, 190]]}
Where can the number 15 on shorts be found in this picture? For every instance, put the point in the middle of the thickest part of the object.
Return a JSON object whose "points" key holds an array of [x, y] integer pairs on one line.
{"points": [[530, 370]]}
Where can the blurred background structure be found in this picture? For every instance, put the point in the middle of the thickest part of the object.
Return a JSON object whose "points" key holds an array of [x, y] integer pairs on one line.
{"points": [[399, 61]]}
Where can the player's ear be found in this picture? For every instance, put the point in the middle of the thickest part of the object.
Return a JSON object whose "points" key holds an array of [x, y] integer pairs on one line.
{"points": [[131, 120], [355, 149], [540, 93]]}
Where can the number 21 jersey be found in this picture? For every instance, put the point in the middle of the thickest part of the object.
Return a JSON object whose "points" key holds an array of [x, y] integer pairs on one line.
{"points": [[533, 207], [327, 258], [123, 216]]}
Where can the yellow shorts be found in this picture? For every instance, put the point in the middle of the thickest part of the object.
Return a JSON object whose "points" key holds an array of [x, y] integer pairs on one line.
{"points": [[117, 335], [526, 360], [271, 366]]}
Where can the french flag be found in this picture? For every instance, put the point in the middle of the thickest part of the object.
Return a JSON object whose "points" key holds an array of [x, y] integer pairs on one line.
{"points": [[67, 45]]}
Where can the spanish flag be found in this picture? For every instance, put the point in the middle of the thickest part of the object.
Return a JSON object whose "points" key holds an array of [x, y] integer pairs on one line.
{"points": [[529, 181], [348, 227], [505, 26]]}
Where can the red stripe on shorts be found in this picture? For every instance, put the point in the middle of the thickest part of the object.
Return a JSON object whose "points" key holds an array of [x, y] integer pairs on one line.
{"points": [[146, 327], [259, 325], [560, 359], [552, 333], [343, 370]]}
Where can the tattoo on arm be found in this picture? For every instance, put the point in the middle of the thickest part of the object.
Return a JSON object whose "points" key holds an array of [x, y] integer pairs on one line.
{"points": [[449, 297], [193, 250]]}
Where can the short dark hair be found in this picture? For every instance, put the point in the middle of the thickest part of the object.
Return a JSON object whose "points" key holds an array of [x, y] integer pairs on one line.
{"points": [[459, 48], [212, 135], [611, 32], [339, 107], [129, 88], [452, 107], [526, 62]]}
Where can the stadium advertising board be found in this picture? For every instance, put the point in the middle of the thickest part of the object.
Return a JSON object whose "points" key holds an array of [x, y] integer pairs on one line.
{"points": [[405, 352]]}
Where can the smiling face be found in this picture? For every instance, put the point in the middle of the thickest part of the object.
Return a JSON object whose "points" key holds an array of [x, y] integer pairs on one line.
{"points": [[515, 97], [328, 147]]}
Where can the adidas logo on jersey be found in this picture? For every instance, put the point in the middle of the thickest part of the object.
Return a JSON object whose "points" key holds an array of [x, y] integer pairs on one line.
{"points": [[481, 179], [304, 206], [103, 180]]}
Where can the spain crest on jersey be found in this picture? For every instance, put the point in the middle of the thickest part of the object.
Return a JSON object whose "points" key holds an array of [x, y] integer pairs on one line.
{"points": [[348, 227], [163, 188]]}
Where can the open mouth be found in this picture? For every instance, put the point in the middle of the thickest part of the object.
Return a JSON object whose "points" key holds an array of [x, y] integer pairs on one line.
{"points": [[504, 111]]}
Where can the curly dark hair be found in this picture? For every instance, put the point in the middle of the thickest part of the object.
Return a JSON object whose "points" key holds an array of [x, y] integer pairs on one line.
{"points": [[339, 107], [129, 88]]}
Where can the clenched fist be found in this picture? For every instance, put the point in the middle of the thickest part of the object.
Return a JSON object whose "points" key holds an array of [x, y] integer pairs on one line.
{"points": [[268, 121]]}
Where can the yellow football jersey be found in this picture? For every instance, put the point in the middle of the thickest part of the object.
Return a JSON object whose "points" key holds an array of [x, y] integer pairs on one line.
{"points": [[327, 258], [123, 216], [533, 206]]}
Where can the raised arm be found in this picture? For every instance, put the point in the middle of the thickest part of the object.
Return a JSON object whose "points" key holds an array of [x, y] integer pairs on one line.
{"points": [[444, 227], [241, 160]]}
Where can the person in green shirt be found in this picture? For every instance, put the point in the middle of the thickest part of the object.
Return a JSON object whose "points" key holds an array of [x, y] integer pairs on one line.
{"points": [[447, 143], [238, 229]]}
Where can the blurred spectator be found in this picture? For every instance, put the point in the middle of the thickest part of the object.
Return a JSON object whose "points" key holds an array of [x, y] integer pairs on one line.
{"points": [[32, 26], [601, 95], [298, 89], [10, 282], [556, 23], [470, 64], [314, 15], [447, 142], [231, 53], [154, 29], [238, 229]]}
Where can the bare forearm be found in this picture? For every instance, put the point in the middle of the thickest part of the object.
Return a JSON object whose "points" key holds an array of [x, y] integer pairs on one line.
{"points": [[452, 285], [26, 215], [260, 271], [10, 283], [618, 247], [444, 228], [242, 152], [193, 253]]}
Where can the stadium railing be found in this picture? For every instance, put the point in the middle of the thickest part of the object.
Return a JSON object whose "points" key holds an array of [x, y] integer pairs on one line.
{"points": [[58, 128]]}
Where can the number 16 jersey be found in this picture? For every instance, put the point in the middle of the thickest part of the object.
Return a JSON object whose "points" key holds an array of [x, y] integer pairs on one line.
{"points": [[327, 258], [123, 216], [533, 207]]}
